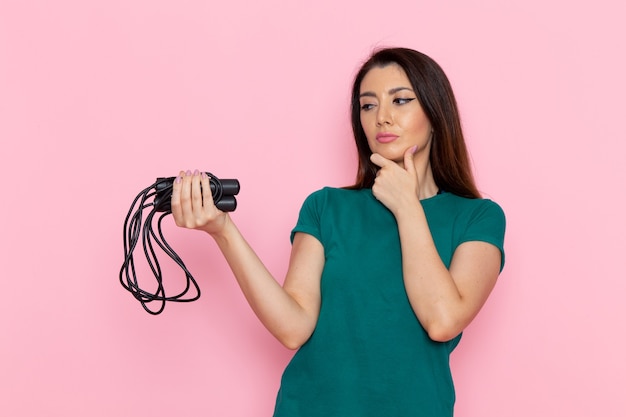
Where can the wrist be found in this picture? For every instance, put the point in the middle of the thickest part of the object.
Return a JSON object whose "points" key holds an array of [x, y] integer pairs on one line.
{"points": [[219, 227], [410, 211]]}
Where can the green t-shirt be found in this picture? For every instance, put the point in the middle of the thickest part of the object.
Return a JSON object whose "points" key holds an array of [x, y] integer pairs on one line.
{"points": [[369, 356]]}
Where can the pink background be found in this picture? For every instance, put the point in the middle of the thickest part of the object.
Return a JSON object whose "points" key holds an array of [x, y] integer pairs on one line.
{"points": [[98, 98]]}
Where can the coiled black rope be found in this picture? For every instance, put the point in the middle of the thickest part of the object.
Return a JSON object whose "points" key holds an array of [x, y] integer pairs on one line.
{"points": [[156, 198]]}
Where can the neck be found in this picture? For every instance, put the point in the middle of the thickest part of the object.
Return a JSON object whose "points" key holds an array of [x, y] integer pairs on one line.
{"points": [[428, 188]]}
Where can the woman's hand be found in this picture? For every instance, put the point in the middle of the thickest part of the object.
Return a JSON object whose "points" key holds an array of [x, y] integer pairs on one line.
{"points": [[396, 186], [192, 203], [289, 313]]}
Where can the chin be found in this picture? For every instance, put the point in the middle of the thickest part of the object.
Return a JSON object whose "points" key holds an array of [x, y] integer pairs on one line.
{"points": [[393, 156]]}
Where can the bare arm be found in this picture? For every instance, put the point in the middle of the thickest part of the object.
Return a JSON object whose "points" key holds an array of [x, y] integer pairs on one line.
{"points": [[445, 301], [290, 311]]}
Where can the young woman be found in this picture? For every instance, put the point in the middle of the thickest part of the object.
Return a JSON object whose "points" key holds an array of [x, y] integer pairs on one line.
{"points": [[384, 275]]}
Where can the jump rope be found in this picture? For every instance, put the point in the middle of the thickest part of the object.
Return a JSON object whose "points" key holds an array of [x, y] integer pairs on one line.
{"points": [[154, 199]]}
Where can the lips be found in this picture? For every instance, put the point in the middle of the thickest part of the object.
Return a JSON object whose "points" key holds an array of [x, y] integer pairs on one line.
{"points": [[385, 137]]}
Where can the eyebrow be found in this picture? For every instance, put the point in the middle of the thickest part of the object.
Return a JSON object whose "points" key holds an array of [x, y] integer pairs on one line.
{"points": [[392, 91]]}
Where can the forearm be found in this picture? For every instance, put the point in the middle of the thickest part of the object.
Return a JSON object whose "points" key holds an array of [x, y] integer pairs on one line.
{"points": [[279, 312], [431, 290]]}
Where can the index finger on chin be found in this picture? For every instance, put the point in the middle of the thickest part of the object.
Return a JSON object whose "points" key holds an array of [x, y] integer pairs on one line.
{"points": [[379, 160]]}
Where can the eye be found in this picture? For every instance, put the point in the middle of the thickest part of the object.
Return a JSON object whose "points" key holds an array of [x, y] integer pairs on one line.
{"points": [[367, 106], [403, 100]]}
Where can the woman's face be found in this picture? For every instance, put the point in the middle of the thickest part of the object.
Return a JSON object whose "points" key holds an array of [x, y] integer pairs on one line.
{"points": [[392, 117]]}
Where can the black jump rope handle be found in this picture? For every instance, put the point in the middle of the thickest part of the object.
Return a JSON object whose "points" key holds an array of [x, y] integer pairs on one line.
{"points": [[223, 191]]}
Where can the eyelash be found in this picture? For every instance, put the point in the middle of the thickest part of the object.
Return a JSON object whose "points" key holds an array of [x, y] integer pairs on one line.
{"points": [[399, 101], [404, 100]]}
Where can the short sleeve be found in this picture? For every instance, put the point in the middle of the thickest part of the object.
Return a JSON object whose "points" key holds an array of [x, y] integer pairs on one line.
{"points": [[309, 217], [487, 224]]}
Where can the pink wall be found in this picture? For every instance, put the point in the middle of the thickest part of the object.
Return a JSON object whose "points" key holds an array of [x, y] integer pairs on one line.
{"points": [[97, 98]]}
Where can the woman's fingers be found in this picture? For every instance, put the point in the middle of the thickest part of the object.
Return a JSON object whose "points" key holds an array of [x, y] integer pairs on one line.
{"points": [[177, 210], [409, 162], [207, 195], [196, 195], [192, 200], [185, 199]]}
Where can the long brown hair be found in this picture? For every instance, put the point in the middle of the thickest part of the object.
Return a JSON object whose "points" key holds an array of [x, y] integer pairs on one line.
{"points": [[449, 158]]}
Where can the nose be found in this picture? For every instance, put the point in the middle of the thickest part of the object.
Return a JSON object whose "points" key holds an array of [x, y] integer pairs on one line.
{"points": [[384, 115]]}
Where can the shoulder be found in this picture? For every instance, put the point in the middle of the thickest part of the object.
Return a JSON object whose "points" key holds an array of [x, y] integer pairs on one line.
{"points": [[466, 218], [468, 207], [331, 195], [331, 205], [480, 219], [324, 209], [334, 191], [486, 208], [318, 202]]}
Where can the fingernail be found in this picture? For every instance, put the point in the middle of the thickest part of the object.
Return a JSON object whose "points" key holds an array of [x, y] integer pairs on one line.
{"points": [[188, 172], [414, 149], [178, 180], [196, 172], [204, 176]]}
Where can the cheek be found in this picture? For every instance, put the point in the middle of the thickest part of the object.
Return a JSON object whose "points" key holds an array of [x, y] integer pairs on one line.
{"points": [[418, 125], [370, 133], [368, 124]]}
